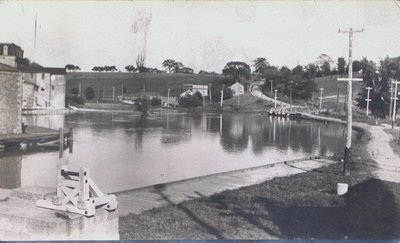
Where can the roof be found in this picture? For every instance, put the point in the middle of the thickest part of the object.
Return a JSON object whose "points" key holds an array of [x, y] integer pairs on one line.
{"points": [[6, 68], [10, 44], [50, 70], [236, 84]]}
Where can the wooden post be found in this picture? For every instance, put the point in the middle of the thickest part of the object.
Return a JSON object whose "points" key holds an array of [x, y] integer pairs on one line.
{"points": [[320, 99], [368, 100], [209, 91], [83, 187], [394, 102], [71, 140], [61, 141], [349, 107], [222, 95]]}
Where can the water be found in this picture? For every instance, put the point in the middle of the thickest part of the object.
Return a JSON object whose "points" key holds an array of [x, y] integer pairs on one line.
{"points": [[124, 151]]}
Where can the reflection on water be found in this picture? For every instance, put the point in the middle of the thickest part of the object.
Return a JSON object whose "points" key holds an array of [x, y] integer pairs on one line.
{"points": [[125, 151]]}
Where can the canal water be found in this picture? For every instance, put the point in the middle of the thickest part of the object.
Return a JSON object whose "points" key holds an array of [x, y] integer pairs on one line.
{"points": [[124, 151]]}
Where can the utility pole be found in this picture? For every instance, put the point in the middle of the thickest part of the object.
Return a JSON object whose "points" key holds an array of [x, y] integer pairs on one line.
{"points": [[320, 99], [391, 98], [276, 91], [122, 90], [394, 101], [272, 81], [209, 91], [222, 95], [168, 98], [368, 99], [113, 93], [290, 89], [349, 109]]}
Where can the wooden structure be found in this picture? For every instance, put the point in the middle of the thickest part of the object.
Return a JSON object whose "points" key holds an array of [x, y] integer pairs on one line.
{"points": [[77, 193], [34, 136]]}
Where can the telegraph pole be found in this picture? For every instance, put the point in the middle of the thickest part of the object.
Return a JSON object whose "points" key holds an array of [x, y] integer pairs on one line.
{"points": [[113, 93], [275, 97], [320, 99], [368, 99], [222, 95], [394, 101], [349, 109], [391, 98], [168, 97], [209, 91], [272, 81]]}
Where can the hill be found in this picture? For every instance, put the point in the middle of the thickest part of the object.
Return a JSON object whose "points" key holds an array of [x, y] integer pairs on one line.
{"points": [[331, 89], [133, 83]]}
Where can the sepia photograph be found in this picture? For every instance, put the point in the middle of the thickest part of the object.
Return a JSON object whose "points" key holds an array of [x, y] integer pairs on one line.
{"points": [[199, 120]]}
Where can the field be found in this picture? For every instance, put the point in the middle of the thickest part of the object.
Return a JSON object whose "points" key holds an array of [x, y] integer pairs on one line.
{"points": [[134, 83]]}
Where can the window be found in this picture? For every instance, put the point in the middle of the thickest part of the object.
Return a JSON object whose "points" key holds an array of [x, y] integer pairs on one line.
{"points": [[42, 76], [5, 50], [52, 87], [31, 75]]}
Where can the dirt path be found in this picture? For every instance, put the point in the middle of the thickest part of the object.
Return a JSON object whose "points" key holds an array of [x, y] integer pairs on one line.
{"points": [[388, 162]]}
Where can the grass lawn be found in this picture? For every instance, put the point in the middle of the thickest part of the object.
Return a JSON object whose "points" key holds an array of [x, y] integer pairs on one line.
{"points": [[302, 206]]}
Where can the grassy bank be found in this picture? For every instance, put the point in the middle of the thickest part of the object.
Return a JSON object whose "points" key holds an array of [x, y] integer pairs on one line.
{"points": [[302, 206]]}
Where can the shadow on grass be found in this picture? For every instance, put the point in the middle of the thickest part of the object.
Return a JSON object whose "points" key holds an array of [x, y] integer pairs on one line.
{"points": [[209, 228], [370, 211]]}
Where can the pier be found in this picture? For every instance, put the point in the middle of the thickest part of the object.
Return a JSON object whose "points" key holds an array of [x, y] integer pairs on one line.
{"points": [[34, 136]]}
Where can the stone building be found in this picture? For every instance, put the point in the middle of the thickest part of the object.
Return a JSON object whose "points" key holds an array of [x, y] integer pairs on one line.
{"points": [[10, 54], [10, 100], [43, 87]]}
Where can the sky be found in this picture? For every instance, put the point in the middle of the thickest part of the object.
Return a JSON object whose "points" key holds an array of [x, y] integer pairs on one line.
{"points": [[203, 35]]}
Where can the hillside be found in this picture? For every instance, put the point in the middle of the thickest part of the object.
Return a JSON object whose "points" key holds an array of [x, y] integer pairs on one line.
{"points": [[331, 88], [135, 82]]}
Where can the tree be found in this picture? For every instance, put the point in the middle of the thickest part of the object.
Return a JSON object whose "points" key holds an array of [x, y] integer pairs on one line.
{"points": [[237, 70], [311, 70], [326, 68], [26, 63], [71, 67], [178, 66], [191, 100], [341, 65], [130, 68], [379, 82], [169, 65], [260, 64], [98, 69], [140, 59]]}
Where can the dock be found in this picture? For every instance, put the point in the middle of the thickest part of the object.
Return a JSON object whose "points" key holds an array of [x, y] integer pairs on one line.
{"points": [[34, 136]]}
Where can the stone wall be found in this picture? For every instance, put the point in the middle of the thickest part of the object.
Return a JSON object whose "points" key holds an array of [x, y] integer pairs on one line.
{"points": [[28, 94], [10, 102]]}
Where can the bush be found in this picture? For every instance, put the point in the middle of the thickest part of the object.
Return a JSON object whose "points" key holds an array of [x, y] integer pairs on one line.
{"points": [[191, 100], [155, 101]]}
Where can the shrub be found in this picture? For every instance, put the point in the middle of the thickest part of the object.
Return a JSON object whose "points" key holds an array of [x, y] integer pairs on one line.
{"points": [[191, 100], [155, 101]]}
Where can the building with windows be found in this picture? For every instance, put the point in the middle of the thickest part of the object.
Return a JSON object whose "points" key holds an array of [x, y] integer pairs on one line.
{"points": [[237, 89], [43, 87], [10, 54]]}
